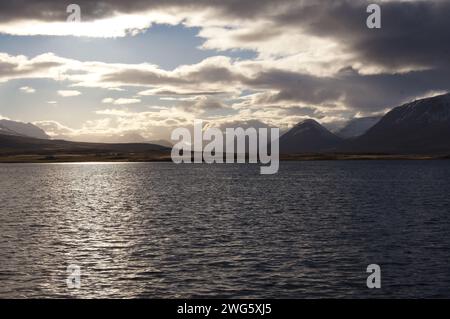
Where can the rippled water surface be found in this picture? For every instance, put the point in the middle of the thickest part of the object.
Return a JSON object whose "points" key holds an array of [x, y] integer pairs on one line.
{"points": [[160, 230]]}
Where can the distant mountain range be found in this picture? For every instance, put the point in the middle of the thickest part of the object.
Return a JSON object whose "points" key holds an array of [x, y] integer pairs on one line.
{"points": [[419, 127], [13, 144], [422, 126], [358, 126], [28, 130]]}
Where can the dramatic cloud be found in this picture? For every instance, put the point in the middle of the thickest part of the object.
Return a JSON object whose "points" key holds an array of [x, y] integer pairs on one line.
{"points": [[16, 67], [413, 33], [222, 83]]}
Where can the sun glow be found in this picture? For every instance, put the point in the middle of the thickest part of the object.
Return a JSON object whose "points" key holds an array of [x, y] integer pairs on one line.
{"points": [[117, 26]]}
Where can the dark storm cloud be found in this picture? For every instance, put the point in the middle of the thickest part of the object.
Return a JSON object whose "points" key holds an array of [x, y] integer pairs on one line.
{"points": [[295, 86], [415, 33], [143, 77], [300, 110], [198, 75], [373, 92], [53, 10], [369, 93]]}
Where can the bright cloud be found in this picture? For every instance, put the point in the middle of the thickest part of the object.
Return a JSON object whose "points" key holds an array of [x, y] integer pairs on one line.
{"points": [[121, 101], [27, 89], [68, 93]]}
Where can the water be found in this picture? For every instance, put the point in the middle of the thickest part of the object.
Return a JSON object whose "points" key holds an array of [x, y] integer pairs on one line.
{"points": [[157, 230]]}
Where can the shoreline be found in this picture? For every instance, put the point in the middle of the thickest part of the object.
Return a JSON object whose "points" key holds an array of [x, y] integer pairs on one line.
{"points": [[142, 158]]}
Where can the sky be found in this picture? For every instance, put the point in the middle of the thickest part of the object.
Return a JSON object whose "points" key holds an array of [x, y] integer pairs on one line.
{"points": [[134, 70]]}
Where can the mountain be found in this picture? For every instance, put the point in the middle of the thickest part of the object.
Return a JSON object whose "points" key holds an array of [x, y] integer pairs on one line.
{"points": [[164, 143], [308, 137], [358, 127], [422, 126], [22, 129], [13, 144]]}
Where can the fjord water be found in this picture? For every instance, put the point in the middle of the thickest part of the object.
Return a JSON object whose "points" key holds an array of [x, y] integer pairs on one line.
{"points": [[158, 230]]}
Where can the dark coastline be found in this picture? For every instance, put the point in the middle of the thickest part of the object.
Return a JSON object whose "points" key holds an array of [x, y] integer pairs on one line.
{"points": [[165, 157]]}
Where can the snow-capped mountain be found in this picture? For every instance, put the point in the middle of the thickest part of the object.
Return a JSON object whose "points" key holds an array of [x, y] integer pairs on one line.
{"points": [[8, 127], [420, 126], [358, 126]]}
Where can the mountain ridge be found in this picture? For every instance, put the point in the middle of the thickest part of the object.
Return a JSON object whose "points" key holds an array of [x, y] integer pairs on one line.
{"points": [[22, 129], [418, 127], [421, 126], [13, 145]]}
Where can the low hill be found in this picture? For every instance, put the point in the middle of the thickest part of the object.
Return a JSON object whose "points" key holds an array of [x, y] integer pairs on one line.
{"points": [[13, 145]]}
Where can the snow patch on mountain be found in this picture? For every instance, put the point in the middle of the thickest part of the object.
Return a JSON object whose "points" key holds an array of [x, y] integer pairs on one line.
{"points": [[9, 127]]}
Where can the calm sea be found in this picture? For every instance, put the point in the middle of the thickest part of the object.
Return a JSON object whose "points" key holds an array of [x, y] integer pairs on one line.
{"points": [[157, 230]]}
